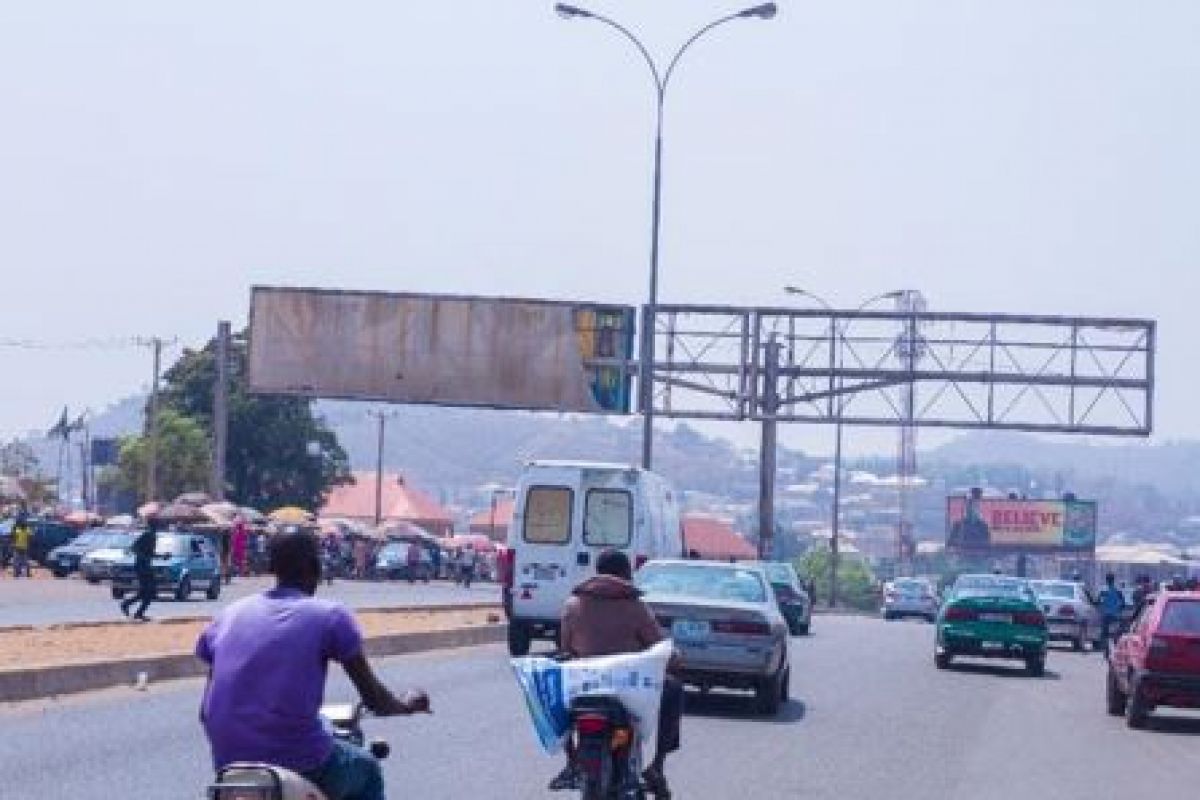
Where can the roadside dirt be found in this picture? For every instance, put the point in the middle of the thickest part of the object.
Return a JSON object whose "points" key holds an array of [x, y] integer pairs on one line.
{"points": [[56, 645]]}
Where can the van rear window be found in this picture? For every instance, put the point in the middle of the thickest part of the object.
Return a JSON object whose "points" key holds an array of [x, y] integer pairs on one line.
{"points": [[608, 518], [548, 514]]}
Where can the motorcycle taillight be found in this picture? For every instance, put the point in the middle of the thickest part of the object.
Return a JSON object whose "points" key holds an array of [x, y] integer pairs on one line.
{"points": [[591, 724]]}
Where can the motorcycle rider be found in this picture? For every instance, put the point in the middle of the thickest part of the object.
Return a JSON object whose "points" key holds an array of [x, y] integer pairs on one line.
{"points": [[1111, 602], [605, 616], [268, 655]]}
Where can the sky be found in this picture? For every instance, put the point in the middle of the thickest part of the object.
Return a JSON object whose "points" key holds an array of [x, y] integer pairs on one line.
{"points": [[157, 159]]}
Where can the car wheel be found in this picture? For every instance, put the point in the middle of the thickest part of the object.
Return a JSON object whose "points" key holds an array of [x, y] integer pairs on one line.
{"points": [[768, 694], [1036, 665], [889, 616], [931, 619], [803, 628], [1137, 711], [943, 660], [518, 639], [185, 588], [59, 573], [117, 594], [1114, 697], [92, 581], [785, 693], [214, 588]]}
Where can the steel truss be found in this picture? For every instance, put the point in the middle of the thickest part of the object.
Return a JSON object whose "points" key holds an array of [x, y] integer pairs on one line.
{"points": [[999, 371]]}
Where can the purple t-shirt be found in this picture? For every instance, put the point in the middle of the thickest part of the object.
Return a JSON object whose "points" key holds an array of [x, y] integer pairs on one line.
{"points": [[268, 654]]}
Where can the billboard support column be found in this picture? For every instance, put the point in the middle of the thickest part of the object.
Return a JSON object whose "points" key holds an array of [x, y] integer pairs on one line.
{"points": [[646, 385], [767, 453]]}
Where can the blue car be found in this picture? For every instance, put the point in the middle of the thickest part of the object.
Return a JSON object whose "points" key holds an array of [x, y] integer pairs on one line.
{"points": [[183, 563]]}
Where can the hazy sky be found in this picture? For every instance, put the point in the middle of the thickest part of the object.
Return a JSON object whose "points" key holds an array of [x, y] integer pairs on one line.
{"points": [[157, 158]]}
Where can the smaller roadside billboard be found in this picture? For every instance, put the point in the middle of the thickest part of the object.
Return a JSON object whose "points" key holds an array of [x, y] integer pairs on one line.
{"points": [[987, 525]]}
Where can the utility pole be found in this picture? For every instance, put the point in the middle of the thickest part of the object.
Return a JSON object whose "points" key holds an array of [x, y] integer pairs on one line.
{"points": [[767, 452], [156, 344], [220, 413], [382, 417]]}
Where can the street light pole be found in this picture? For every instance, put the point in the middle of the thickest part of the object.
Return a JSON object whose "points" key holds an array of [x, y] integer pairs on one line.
{"points": [[838, 335], [662, 80]]}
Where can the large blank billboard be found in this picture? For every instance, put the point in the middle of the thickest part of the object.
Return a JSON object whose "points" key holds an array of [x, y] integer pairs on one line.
{"points": [[441, 349]]}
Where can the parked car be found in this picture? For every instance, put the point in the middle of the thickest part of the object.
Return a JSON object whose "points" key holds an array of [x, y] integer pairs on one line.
{"points": [[98, 564], [65, 559], [47, 535], [566, 514], [1070, 614], [992, 616], [1158, 662], [794, 602], [183, 563], [725, 623], [910, 597], [392, 562]]}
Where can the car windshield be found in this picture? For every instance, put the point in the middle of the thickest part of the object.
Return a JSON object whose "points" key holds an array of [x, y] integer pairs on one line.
{"points": [[1181, 617], [1062, 591], [779, 573], [911, 586], [702, 581], [89, 539], [992, 586]]}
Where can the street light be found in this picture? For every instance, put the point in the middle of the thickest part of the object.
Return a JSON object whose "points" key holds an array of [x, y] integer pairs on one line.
{"points": [[838, 335], [662, 79]]}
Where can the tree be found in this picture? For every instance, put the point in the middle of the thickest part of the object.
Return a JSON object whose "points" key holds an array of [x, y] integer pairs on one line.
{"points": [[279, 452], [17, 459], [182, 458], [856, 583]]}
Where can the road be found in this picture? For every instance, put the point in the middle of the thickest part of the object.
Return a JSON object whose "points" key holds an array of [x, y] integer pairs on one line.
{"points": [[871, 718], [49, 600]]}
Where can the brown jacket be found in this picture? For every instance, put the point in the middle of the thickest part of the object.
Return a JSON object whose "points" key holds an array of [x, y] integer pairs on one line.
{"points": [[606, 616]]}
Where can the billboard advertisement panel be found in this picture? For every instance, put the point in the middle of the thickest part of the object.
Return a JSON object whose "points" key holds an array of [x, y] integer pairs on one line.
{"points": [[980, 525], [441, 349]]}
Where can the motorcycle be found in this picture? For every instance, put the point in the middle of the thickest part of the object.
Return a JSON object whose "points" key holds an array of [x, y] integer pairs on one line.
{"points": [[608, 749], [267, 782]]}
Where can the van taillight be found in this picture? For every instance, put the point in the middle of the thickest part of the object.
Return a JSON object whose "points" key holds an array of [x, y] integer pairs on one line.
{"points": [[506, 565]]}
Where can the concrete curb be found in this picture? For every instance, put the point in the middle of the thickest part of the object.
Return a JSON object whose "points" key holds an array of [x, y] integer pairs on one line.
{"points": [[31, 684]]}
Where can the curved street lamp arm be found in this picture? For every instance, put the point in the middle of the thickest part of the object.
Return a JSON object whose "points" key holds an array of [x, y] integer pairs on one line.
{"points": [[660, 85], [679, 53]]}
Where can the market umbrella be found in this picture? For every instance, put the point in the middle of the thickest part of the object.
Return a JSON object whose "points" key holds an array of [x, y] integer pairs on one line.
{"points": [[477, 541], [290, 515], [251, 515], [219, 513], [149, 509], [82, 518], [121, 521], [194, 499], [181, 513]]}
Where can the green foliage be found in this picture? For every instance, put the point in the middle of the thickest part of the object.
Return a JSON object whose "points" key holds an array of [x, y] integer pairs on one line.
{"points": [[182, 458], [856, 584], [268, 459]]}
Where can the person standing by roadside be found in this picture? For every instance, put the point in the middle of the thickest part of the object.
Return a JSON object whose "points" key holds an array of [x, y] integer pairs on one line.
{"points": [[239, 540], [22, 537], [143, 565], [1111, 602]]}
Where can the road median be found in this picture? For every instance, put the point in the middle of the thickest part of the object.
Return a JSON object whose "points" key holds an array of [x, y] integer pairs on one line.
{"points": [[39, 663]]}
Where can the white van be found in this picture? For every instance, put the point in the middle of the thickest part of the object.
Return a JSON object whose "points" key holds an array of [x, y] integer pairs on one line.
{"points": [[566, 514]]}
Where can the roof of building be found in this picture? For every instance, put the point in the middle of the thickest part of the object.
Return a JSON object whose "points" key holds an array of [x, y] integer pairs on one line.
{"points": [[714, 538], [401, 501]]}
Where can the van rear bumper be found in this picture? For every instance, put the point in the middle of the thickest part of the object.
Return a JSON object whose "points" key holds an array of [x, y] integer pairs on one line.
{"points": [[538, 628]]}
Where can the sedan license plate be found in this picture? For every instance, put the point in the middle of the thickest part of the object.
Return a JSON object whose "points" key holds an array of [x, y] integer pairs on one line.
{"points": [[992, 646], [541, 573], [690, 630], [1006, 618]]}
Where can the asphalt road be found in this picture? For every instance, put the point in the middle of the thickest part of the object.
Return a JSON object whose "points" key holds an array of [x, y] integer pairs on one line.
{"points": [[44, 601], [872, 719]]}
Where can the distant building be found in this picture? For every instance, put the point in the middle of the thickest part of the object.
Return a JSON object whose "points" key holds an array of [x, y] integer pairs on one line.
{"points": [[401, 503], [493, 521]]}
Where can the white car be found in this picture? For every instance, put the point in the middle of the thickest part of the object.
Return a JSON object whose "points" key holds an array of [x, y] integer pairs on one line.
{"points": [[98, 564], [1070, 615], [910, 597]]}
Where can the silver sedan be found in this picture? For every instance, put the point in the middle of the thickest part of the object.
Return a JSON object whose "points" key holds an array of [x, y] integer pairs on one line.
{"points": [[1070, 615], [726, 626]]}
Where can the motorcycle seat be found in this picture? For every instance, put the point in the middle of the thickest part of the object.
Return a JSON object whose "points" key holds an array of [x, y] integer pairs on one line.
{"points": [[261, 782]]}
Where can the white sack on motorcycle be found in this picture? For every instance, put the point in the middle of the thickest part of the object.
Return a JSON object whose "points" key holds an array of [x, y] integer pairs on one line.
{"points": [[636, 679]]}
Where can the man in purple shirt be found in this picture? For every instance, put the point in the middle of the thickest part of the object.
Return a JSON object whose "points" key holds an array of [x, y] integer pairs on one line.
{"points": [[267, 656]]}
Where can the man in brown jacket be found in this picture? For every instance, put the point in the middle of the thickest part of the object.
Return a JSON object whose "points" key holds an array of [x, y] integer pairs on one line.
{"points": [[605, 617]]}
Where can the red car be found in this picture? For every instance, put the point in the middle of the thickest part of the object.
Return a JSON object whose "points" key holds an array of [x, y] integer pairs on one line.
{"points": [[1158, 662]]}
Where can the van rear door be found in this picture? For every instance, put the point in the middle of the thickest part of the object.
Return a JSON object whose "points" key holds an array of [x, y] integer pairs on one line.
{"points": [[542, 540]]}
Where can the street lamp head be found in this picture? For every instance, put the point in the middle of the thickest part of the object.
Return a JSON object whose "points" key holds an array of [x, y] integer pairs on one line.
{"points": [[763, 11], [567, 11]]}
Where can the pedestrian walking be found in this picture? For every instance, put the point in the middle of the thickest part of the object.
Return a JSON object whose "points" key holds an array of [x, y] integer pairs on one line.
{"points": [[239, 540], [143, 566], [469, 563], [22, 537]]}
